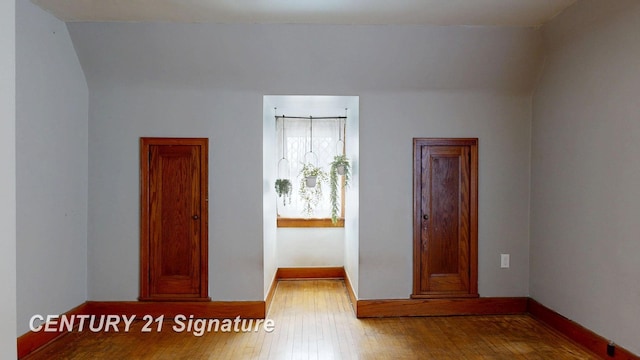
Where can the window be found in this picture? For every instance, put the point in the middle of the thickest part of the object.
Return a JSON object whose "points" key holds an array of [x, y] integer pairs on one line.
{"points": [[308, 141]]}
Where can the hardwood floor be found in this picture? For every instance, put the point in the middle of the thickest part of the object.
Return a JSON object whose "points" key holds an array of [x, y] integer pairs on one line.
{"points": [[314, 320]]}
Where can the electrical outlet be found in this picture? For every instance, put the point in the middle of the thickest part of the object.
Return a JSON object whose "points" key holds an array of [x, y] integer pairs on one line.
{"points": [[504, 261]]}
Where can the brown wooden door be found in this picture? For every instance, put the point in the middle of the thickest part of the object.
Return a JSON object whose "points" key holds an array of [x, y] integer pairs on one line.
{"points": [[173, 249], [445, 218]]}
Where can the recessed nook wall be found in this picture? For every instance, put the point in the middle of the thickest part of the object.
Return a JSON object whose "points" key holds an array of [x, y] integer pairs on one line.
{"points": [[308, 247]]}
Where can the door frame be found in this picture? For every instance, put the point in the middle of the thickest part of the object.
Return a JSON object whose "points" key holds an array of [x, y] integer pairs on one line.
{"points": [[145, 203], [473, 216]]}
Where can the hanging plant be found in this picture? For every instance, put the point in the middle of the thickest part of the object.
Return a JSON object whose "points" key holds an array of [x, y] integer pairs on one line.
{"points": [[284, 190], [310, 191], [339, 167]]}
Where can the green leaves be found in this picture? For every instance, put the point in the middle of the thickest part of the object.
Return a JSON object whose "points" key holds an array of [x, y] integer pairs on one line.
{"points": [[284, 189], [311, 195], [340, 164]]}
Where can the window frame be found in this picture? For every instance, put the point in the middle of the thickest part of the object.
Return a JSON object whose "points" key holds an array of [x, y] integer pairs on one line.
{"points": [[302, 222], [289, 222]]}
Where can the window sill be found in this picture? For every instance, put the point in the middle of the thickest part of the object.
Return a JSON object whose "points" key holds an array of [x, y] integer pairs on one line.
{"points": [[308, 223]]}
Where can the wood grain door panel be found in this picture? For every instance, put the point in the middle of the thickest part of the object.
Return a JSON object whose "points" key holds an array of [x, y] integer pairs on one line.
{"points": [[175, 235], [174, 219], [444, 200]]}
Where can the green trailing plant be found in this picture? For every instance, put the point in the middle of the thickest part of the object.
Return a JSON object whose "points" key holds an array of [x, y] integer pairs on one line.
{"points": [[284, 190], [311, 195], [339, 167]]}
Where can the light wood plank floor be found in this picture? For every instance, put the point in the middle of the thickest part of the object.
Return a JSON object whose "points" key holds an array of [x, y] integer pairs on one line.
{"points": [[314, 320]]}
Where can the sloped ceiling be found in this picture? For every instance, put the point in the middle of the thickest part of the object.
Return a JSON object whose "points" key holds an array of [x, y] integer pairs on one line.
{"points": [[308, 59], [520, 13]]}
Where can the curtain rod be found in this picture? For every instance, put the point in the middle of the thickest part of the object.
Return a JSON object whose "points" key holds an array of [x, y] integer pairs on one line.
{"points": [[310, 117]]}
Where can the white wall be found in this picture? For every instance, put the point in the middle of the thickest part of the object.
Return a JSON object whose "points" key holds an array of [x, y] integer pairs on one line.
{"points": [[352, 198], [51, 141], [388, 123], [585, 197], [269, 174], [310, 247], [208, 80], [118, 118], [8, 178]]}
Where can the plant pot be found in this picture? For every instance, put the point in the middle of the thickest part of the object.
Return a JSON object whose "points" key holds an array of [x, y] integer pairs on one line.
{"points": [[340, 170], [311, 181]]}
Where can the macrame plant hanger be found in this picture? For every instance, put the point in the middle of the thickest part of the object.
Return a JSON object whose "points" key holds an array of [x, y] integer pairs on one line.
{"points": [[284, 170], [307, 158], [283, 183], [311, 178], [340, 142]]}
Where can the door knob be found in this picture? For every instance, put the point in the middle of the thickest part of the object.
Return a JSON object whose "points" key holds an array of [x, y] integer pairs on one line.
{"points": [[195, 217], [425, 217]]}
